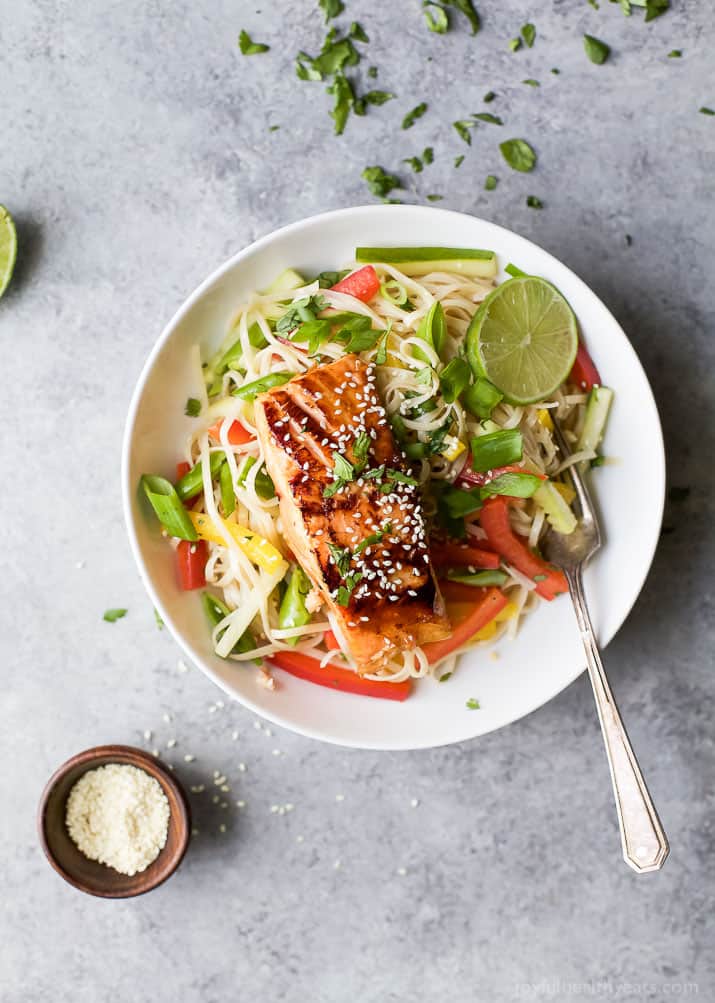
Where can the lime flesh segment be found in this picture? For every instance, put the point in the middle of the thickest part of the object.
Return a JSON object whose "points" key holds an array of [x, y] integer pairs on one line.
{"points": [[523, 339], [8, 248]]}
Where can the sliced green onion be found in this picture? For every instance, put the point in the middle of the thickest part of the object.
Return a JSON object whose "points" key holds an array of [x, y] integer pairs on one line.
{"points": [[192, 482], [293, 611], [496, 449], [228, 495], [515, 272], [394, 292], [256, 337], [216, 611], [168, 507], [454, 379], [481, 398], [478, 578], [460, 503], [416, 450], [432, 329], [422, 260], [512, 484], [249, 391], [265, 488]]}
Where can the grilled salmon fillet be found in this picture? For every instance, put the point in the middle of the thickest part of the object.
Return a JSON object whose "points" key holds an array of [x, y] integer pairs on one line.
{"points": [[351, 513]]}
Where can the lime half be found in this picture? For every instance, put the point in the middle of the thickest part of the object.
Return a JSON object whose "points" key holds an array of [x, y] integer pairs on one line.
{"points": [[523, 338], [8, 248]]}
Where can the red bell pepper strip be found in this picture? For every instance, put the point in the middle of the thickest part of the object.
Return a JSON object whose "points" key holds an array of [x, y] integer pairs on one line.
{"points": [[494, 519], [362, 284], [237, 434], [181, 469], [305, 667], [191, 558], [485, 606], [584, 373], [459, 594], [478, 479], [452, 554], [330, 641]]}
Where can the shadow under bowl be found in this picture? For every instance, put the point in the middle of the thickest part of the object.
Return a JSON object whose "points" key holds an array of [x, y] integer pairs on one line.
{"points": [[89, 875]]}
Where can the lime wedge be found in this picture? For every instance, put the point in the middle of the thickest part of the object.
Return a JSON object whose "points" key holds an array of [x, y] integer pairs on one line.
{"points": [[523, 338], [8, 248]]}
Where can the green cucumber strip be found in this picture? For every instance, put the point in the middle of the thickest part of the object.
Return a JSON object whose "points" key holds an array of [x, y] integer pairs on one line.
{"points": [[285, 282], [417, 261], [594, 425], [558, 513]]}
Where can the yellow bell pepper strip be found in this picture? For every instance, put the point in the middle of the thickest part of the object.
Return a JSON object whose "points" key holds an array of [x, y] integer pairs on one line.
{"points": [[255, 547]]}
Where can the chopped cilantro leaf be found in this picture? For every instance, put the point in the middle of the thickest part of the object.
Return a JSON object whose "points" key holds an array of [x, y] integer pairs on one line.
{"points": [[518, 154], [472, 704], [341, 557], [428, 155], [675, 54], [112, 615], [331, 8], [462, 127], [158, 619], [485, 116], [435, 198], [248, 47], [466, 7], [528, 33], [514, 44], [596, 50], [346, 590], [361, 448], [415, 163], [193, 408], [411, 117], [358, 32], [458, 161], [372, 73], [555, 71], [489, 96], [533, 202], [436, 17], [706, 111], [379, 181], [491, 183], [531, 82], [381, 354], [445, 677]]}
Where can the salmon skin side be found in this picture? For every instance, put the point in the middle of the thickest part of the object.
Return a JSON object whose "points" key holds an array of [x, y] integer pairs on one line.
{"points": [[364, 547]]}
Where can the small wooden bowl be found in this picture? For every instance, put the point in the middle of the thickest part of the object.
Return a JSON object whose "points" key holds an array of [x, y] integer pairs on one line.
{"points": [[89, 875]]}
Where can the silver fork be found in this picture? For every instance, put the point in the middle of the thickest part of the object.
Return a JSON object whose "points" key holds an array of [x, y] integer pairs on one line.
{"points": [[645, 846]]}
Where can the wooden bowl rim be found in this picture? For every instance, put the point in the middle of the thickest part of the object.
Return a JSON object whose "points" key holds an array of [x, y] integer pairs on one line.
{"points": [[128, 755]]}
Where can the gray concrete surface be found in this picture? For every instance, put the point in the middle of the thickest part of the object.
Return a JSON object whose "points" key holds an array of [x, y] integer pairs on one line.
{"points": [[136, 156]]}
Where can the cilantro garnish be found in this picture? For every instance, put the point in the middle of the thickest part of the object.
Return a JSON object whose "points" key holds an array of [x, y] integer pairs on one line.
{"points": [[435, 198], [489, 96], [358, 32], [533, 202], [596, 50], [472, 704], [458, 161], [341, 557], [361, 448], [706, 111], [346, 590], [436, 17], [379, 181], [411, 117], [343, 100], [485, 116], [374, 538], [331, 8], [300, 312], [462, 127], [528, 33], [530, 82], [491, 183], [675, 54], [248, 47], [343, 473], [466, 7], [193, 408], [112, 615], [518, 154], [514, 44]]}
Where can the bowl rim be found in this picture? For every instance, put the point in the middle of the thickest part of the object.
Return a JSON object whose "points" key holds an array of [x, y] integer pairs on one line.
{"points": [[155, 768], [255, 247]]}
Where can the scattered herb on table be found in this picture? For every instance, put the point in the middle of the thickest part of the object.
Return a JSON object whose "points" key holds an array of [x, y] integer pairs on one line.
{"points": [[248, 47], [466, 7], [533, 202], [486, 116], [372, 72], [436, 17], [411, 117], [435, 198], [518, 154], [112, 615], [489, 96], [358, 33], [514, 44], [331, 8], [531, 82], [491, 182], [706, 111], [555, 71], [596, 50], [675, 54], [379, 181], [458, 161], [462, 127], [528, 33]]}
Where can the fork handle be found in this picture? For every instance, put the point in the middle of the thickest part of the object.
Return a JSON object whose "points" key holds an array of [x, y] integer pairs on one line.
{"points": [[645, 845]]}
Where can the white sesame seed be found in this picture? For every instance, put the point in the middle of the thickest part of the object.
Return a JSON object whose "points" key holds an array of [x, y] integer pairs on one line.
{"points": [[166, 718], [240, 804], [188, 758], [222, 827], [401, 871], [242, 767], [147, 735], [171, 743], [215, 799], [414, 802], [155, 752], [197, 789], [339, 797]]}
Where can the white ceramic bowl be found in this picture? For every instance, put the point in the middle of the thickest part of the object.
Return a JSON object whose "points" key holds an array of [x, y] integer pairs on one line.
{"points": [[547, 655]]}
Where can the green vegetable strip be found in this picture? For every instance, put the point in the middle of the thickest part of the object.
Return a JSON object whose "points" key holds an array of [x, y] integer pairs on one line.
{"points": [[250, 391], [515, 272], [265, 487], [394, 292], [454, 379], [168, 507], [216, 611], [192, 482], [228, 495], [293, 611], [496, 449], [432, 329], [391, 255], [479, 578], [481, 398], [512, 484]]}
